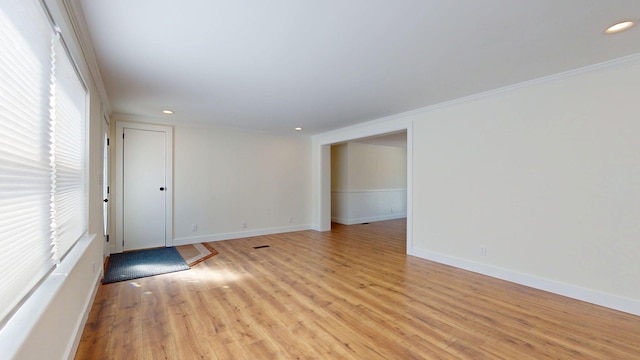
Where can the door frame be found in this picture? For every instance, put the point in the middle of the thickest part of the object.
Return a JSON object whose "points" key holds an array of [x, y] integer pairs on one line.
{"points": [[321, 169], [106, 185], [119, 194]]}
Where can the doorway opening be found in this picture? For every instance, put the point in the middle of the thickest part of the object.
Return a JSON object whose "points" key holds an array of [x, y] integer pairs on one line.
{"points": [[369, 179], [323, 163]]}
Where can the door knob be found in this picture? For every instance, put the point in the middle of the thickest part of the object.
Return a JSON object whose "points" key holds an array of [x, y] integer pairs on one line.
{"points": [[162, 188], [106, 200]]}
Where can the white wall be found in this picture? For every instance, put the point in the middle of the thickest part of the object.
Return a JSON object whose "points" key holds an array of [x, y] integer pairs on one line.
{"points": [[339, 167], [373, 167], [369, 183], [223, 177], [545, 175]]}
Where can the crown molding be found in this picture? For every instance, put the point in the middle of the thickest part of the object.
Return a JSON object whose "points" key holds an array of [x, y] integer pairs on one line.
{"points": [[75, 17], [607, 65], [603, 66]]}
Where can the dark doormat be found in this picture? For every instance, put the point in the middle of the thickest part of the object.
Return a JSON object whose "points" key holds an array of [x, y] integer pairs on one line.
{"points": [[143, 263]]}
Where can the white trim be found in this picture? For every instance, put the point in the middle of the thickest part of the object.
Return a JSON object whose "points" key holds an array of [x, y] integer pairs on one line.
{"points": [[611, 64], [359, 191], [75, 22], [239, 235], [85, 316], [357, 206], [575, 292], [106, 130], [368, 219], [120, 126]]}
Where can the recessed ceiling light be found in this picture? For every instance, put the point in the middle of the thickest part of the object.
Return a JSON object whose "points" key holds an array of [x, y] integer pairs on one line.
{"points": [[298, 129], [621, 26], [168, 112]]}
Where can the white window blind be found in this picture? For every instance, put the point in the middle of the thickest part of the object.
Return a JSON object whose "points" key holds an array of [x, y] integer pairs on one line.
{"points": [[68, 206], [31, 95]]}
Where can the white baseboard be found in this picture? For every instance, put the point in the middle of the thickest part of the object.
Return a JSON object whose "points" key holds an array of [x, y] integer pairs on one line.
{"points": [[84, 318], [238, 235], [368, 219], [591, 296]]}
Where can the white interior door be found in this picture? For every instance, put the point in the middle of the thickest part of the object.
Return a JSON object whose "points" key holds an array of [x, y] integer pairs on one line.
{"points": [[144, 188]]}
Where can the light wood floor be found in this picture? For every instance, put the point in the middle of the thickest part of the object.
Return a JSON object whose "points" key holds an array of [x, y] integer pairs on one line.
{"points": [[348, 294]]}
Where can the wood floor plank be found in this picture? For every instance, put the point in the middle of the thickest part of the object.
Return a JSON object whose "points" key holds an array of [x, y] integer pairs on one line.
{"points": [[351, 293]]}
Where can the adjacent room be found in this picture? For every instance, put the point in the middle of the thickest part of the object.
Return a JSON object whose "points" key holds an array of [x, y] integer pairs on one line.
{"points": [[320, 180], [369, 179]]}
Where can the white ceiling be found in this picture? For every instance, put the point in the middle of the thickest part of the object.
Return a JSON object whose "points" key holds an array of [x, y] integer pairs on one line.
{"points": [[273, 65]]}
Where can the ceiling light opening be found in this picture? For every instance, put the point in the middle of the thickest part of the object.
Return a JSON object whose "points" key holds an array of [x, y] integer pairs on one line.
{"points": [[298, 129], [168, 112], [621, 26]]}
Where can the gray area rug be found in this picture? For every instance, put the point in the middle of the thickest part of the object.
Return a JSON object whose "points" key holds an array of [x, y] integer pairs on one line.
{"points": [[143, 263]]}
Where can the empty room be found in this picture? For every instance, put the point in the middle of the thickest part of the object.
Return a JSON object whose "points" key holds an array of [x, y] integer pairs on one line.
{"points": [[319, 180]]}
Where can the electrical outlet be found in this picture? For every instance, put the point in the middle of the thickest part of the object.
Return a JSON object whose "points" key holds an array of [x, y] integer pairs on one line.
{"points": [[483, 250], [244, 224], [194, 227], [392, 210], [290, 219]]}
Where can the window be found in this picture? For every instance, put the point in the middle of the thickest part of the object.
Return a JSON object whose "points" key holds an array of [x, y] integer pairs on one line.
{"points": [[67, 131], [43, 198]]}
